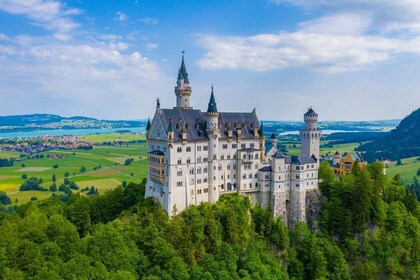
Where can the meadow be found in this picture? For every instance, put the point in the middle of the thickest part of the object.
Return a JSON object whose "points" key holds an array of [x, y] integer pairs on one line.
{"points": [[105, 168]]}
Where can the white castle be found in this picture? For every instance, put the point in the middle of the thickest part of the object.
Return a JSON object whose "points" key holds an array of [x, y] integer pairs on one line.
{"points": [[197, 156]]}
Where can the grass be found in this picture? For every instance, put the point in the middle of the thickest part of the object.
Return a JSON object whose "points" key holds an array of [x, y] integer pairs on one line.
{"points": [[104, 165], [407, 170], [127, 137]]}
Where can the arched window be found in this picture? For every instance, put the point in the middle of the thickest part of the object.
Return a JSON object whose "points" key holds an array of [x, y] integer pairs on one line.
{"points": [[244, 157], [179, 161], [249, 176], [256, 156], [244, 176], [192, 171], [188, 160]]}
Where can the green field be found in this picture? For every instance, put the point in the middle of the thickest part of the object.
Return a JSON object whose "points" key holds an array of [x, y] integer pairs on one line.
{"points": [[107, 160], [109, 137], [407, 170]]}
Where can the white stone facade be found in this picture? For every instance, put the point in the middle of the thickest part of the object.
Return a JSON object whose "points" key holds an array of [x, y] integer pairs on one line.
{"points": [[199, 156]]}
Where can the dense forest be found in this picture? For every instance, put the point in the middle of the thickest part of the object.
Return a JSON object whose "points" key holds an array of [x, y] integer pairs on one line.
{"points": [[369, 229], [401, 142]]}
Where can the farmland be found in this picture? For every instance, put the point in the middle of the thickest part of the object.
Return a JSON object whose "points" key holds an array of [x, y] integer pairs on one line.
{"points": [[105, 167]]}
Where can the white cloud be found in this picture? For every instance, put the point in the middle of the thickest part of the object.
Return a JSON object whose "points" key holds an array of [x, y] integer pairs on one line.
{"points": [[49, 14], [148, 20], [344, 23], [329, 53], [388, 15], [121, 17], [152, 46]]}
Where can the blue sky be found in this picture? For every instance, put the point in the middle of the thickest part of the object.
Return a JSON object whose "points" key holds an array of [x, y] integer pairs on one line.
{"points": [[349, 59]]}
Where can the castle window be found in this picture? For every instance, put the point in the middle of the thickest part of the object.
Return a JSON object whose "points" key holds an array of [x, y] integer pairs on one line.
{"points": [[179, 161], [243, 146], [222, 157], [206, 190], [234, 166], [226, 125], [279, 177], [188, 126], [297, 176], [256, 175], [205, 170], [179, 184], [179, 173], [256, 166], [205, 159], [256, 185], [228, 167], [188, 161], [214, 157], [243, 125], [221, 177], [192, 171], [228, 176], [178, 126], [312, 166], [225, 146], [198, 159], [220, 167], [205, 180], [252, 125], [234, 146], [249, 176], [297, 167], [234, 156], [228, 156], [251, 145], [256, 156], [244, 156], [267, 177], [199, 170], [198, 148], [250, 185], [244, 176], [279, 168], [205, 148], [297, 185], [197, 126], [188, 149], [179, 150], [235, 125]]}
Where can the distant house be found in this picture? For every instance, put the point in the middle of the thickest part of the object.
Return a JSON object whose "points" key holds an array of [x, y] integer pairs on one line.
{"points": [[343, 164]]}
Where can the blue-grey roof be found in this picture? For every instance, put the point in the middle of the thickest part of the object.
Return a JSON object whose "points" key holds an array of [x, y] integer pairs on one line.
{"points": [[273, 136], [299, 160], [212, 108], [148, 124], [183, 71], [310, 112], [266, 169], [195, 123], [357, 157], [268, 147], [156, 152], [279, 154]]}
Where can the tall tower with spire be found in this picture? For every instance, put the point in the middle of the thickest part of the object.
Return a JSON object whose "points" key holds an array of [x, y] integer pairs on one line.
{"points": [[212, 130], [183, 88], [310, 136]]}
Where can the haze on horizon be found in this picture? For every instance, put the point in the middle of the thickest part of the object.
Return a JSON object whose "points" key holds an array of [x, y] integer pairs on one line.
{"points": [[352, 60]]}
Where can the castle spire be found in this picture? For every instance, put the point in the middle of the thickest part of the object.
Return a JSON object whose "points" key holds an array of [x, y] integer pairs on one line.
{"points": [[183, 89], [212, 108]]}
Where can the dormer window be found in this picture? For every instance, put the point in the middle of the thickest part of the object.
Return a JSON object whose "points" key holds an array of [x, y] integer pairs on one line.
{"points": [[243, 125], [178, 126]]}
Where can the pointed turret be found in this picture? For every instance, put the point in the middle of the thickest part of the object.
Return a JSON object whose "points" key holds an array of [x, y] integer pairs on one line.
{"points": [[148, 127], [183, 89], [261, 129], [273, 139], [212, 108], [170, 131]]}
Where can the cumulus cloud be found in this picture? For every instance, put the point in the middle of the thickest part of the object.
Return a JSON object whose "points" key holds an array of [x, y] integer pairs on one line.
{"points": [[49, 14], [121, 17], [348, 37]]}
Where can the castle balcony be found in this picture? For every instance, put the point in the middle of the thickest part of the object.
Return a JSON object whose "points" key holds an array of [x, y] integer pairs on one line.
{"points": [[247, 161], [158, 178]]}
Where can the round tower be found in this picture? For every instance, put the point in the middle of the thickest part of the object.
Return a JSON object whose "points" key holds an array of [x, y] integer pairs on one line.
{"points": [[336, 158], [183, 89], [310, 136], [273, 139], [311, 119], [212, 130]]}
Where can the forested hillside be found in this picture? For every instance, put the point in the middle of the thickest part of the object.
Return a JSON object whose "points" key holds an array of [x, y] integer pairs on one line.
{"points": [[402, 142], [369, 229]]}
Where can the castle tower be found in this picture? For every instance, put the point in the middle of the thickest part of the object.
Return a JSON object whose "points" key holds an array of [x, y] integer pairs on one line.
{"points": [[212, 130], [273, 139], [336, 158], [310, 136], [183, 89]]}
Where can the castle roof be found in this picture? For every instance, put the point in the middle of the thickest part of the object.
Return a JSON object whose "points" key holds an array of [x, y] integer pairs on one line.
{"points": [[182, 73], [148, 124], [196, 125], [310, 112], [212, 108], [273, 136], [156, 152], [299, 160]]}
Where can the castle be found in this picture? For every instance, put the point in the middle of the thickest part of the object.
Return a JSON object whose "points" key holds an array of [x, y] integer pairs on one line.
{"points": [[197, 156]]}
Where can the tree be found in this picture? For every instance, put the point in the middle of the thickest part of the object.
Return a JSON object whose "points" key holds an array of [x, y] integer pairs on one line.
{"points": [[54, 178], [82, 169], [128, 161], [24, 176], [399, 162], [53, 187], [66, 174], [124, 184], [4, 199]]}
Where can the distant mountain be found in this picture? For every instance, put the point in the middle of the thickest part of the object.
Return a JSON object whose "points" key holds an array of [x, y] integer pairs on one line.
{"points": [[401, 142], [49, 121]]}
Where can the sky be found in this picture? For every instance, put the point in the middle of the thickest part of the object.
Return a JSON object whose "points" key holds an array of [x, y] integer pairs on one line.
{"points": [[348, 59]]}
